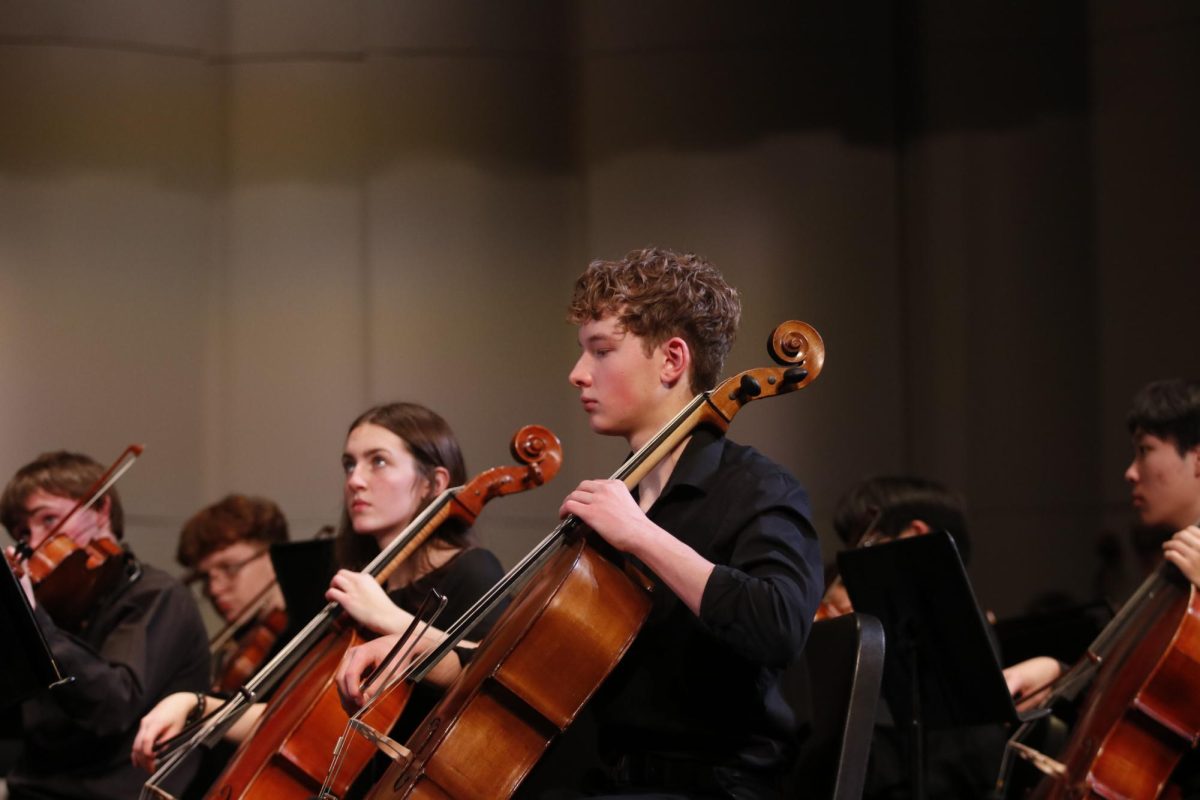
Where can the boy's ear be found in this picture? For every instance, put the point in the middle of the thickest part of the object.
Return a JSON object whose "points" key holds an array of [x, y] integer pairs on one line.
{"points": [[677, 359]]}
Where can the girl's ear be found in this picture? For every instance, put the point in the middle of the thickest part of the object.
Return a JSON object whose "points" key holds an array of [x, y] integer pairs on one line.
{"points": [[440, 481]]}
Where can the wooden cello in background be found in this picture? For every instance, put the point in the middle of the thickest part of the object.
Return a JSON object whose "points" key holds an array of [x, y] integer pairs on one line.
{"points": [[290, 749], [579, 611], [1142, 710]]}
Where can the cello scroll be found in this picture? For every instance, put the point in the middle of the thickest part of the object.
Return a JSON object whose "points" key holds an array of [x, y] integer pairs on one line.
{"points": [[534, 446], [800, 353]]}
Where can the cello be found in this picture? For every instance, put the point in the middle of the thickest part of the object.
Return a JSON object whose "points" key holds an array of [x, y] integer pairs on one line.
{"points": [[288, 752], [578, 611], [1142, 710]]}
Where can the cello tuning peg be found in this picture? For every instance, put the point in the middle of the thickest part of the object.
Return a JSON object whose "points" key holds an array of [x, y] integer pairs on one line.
{"points": [[794, 375], [750, 386]]}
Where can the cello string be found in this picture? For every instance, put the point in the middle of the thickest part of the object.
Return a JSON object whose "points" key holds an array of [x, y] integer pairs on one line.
{"points": [[196, 736], [397, 655], [524, 569]]}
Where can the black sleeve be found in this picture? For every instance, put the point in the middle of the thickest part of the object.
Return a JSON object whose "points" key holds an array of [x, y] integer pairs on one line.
{"points": [[762, 603], [150, 637]]}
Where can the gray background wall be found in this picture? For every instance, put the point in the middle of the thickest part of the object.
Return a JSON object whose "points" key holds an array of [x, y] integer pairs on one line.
{"points": [[227, 227]]}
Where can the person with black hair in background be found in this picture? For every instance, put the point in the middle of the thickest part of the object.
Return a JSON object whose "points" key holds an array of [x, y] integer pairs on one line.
{"points": [[1164, 486], [961, 763]]}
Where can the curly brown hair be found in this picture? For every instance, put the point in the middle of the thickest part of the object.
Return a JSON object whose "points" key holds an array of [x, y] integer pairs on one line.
{"points": [[235, 518], [62, 474], [656, 294]]}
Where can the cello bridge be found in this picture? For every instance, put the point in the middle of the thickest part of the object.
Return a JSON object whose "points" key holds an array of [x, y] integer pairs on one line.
{"points": [[1044, 763], [383, 743]]}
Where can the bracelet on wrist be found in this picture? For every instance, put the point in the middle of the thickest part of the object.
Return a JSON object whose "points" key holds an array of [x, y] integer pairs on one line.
{"points": [[197, 712]]}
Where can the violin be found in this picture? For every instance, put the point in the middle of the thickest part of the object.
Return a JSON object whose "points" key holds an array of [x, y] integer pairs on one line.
{"points": [[242, 646], [68, 578], [579, 608], [289, 752], [240, 657]]}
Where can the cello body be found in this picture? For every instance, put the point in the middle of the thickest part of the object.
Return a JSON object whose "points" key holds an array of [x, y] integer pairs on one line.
{"points": [[279, 763], [289, 752], [1143, 710], [574, 620], [569, 626]]}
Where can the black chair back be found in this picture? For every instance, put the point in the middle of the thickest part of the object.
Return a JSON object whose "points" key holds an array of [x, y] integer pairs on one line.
{"points": [[835, 686]]}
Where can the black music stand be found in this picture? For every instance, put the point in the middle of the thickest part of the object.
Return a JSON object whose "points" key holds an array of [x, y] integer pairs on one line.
{"points": [[303, 570], [28, 666], [940, 670]]}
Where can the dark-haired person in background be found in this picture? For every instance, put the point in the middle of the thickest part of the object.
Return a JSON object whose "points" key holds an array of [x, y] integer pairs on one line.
{"points": [[141, 641], [961, 763], [1164, 486], [886, 508]]}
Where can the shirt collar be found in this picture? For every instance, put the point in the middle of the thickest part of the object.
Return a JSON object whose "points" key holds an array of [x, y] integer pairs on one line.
{"points": [[698, 461]]}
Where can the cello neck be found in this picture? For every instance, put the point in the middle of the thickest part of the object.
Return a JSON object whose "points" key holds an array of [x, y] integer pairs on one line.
{"points": [[1162, 577], [1114, 633], [379, 568], [630, 473], [799, 352]]}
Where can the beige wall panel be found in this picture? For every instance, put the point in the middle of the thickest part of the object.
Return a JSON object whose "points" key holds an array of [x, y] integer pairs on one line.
{"points": [[422, 27], [798, 217], [180, 26], [469, 220], [1002, 301], [314, 29], [294, 323], [1147, 203], [107, 179]]}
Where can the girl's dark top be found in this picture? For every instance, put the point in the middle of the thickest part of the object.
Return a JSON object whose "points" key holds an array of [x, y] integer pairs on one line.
{"points": [[463, 580], [144, 641]]}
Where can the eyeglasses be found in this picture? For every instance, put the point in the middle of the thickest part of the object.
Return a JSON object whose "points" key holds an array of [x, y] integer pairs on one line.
{"points": [[228, 570]]}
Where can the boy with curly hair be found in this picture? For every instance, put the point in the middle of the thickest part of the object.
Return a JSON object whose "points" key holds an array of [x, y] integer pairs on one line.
{"points": [[695, 707]]}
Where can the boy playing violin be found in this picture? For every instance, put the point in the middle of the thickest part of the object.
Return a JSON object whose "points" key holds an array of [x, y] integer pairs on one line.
{"points": [[140, 641], [694, 708], [226, 545]]}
